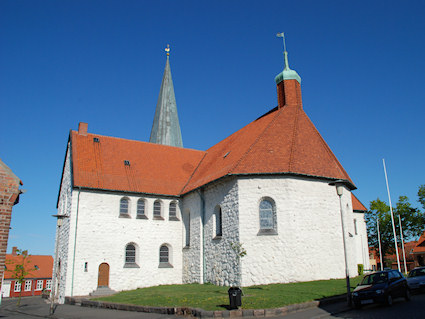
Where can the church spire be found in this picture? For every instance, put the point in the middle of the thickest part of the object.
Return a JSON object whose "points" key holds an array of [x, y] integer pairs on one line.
{"points": [[166, 127]]}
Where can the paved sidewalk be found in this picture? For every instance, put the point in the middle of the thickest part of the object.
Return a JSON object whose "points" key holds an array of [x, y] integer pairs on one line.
{"points": [[36, 307]]}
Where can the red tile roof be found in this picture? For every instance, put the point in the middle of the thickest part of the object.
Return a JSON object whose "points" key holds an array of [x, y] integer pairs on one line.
{"points": [[283, 141], [154, 168], [357, 205], [420, 246], [44, 264]]}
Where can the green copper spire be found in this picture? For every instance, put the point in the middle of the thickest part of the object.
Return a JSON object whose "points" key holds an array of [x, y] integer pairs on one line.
{"points": [[287, 73], [166, 127]]}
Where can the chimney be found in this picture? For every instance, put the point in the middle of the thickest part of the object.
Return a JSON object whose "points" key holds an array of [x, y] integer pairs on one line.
{"points": [[82, 128], [14, 251]]}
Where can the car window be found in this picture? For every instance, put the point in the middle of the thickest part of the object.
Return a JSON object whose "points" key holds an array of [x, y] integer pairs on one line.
{"points": [[374, 279]]}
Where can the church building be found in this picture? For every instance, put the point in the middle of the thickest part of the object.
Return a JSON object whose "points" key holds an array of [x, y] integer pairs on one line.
{"points": [[259, 207]]}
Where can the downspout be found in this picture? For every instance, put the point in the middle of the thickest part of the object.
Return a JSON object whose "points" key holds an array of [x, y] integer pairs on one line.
{"points": [[75, 242], [202, 197]]}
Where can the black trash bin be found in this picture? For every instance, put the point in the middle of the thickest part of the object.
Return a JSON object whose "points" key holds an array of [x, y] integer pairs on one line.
{"points": [[235, 297]]}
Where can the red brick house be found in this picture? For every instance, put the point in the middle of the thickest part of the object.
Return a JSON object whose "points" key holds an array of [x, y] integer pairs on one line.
{"points": [[9, 196], [39, 277]]}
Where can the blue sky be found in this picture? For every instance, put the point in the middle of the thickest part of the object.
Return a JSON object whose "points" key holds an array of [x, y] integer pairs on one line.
{"points": [[63, 62]]}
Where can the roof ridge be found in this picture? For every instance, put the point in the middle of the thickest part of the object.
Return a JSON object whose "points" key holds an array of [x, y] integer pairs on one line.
{"points": [[193, 173], [256, 140], [294, 134]]}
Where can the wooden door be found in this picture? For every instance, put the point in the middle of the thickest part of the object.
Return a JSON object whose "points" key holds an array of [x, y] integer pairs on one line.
{"points": [[103, 278]]}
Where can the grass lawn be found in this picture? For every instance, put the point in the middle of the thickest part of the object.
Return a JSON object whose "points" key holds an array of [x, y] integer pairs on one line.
{"points": [[210, 297]]}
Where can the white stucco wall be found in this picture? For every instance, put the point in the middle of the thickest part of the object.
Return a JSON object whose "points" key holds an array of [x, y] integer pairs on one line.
{"points": [[63, 233], [361, 246], [309, 243], [192, 253], [222, 266], [102, 236]]}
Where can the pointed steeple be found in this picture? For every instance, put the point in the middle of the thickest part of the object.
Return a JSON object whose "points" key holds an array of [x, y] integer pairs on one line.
{"points": [[166, 127], [288, 83]]}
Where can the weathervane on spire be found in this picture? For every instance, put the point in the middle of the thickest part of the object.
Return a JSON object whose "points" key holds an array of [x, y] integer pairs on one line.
{"points": [[282, 35], [167, 49], [285, 54]]}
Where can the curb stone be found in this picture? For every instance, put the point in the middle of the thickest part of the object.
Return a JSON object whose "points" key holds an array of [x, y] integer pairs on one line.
{"points": [[200, 313]]}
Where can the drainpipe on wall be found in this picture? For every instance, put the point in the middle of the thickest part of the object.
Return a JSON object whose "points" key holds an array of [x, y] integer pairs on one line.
{"points": [[201, 195], [75, 242]]}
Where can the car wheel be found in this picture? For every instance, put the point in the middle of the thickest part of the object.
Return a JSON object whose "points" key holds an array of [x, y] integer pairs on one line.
{"points": [[407, 295], [389, 300], [357, 305]]}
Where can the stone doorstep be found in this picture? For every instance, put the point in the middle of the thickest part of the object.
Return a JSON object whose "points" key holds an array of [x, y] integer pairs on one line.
{"points": [[200, 313]]}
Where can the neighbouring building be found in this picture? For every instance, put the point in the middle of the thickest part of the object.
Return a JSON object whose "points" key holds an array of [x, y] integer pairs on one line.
{"points": [[150, 213], [9, 196], [39, 275], [419, 252]]}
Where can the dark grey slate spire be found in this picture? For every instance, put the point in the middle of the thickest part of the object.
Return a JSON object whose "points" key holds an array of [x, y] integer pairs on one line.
{"points": [[166, 127]]}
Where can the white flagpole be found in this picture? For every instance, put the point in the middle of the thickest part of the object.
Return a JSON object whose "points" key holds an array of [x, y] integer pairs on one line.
{"points": [[379, 243], [402, 245], [392, 218]]}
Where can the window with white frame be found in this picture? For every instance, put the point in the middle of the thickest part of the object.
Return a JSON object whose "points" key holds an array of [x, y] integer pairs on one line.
{"points": [[157, 210], [131, 256], [48, 284], [173, 211], [164, 256], [267, 212], [17, 287], [124, 207], [39, 285], [28, 284], [141, 213]]}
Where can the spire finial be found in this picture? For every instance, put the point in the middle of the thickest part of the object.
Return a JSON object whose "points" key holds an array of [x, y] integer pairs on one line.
{"points": [[287, 73], [285, 53], [167, 49]]}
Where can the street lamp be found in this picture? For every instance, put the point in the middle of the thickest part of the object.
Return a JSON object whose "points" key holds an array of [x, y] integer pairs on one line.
{"points": [[339, 184], [59, 223]]}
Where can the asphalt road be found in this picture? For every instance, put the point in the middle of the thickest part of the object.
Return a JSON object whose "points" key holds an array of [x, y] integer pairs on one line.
{"points": [[35, 307]]}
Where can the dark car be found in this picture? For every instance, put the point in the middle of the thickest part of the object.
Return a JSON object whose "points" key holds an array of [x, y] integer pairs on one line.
{"points": [[381, 287], [416, 279]]}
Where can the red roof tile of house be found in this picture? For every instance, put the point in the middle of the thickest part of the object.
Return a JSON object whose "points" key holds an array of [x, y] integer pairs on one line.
{"points": [[420, 246], [153, 168], [282, 141], [357, 205], [43, 263]]}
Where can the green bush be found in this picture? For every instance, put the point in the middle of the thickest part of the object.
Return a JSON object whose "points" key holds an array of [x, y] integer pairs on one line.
{"points": [[360, 269]]}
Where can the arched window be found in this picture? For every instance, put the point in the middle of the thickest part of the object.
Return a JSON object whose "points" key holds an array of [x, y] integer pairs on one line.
{"points": [[131, 256], [124, 207], [157, 210], [267, 212], [173, 211], [218, 222], [141, 209], [165, 256]]}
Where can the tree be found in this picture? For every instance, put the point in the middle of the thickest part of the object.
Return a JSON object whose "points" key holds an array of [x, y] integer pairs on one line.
{"points": [[421, 195], [21, 270], [412, 220]]}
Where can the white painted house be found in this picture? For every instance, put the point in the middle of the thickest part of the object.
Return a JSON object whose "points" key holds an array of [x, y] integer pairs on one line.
{"points": [[150, 213]]}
